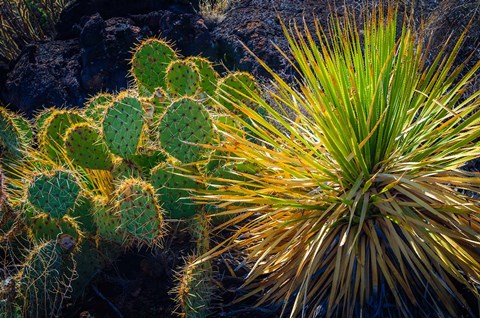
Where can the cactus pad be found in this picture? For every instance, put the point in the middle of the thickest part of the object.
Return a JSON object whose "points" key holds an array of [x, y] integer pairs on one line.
{"points": [[182, 78], [85, 147], [139, 213], [44, 227], [43, 281], [106, 222], [10, 135], [235, 88], [82, 213], [124, 169], [122, 126], [149, 64], [97, 105], [174, 190], [184, 126], [54, 193], [208, 76], [54, 129]]}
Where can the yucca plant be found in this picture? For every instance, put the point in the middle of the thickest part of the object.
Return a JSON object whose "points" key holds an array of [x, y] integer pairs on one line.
{"points": [[358, 206]]}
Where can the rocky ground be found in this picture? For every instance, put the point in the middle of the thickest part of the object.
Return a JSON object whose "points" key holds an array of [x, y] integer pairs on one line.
{"points": [[90, 53]]}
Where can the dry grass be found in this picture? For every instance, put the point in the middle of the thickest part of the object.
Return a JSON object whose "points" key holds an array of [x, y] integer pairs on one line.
{"points": [[24, 21], [213, 11]]}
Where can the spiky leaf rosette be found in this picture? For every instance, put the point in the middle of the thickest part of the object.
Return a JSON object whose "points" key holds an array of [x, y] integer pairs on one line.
{"points": [[85, 147], [54, 129], [122, 126], [185, 126], [208, 76], [54, 193], [174, 187], [141, 219], [182, 78], [149, 63], [358, 208]]}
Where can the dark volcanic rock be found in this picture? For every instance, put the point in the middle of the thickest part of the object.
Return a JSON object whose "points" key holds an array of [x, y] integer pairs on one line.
{"points": [[67, 27], [66, 72], [46, 74], [105, 51], [187, 30]]}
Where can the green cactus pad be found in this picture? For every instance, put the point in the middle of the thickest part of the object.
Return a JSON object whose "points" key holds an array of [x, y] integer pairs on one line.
{"points": [[82, 213], [124, 169], [85, 147], [182, 78], [25, 128], [140, 215], [122, 126], [44, 227], [149, 64], [160, 99], [148, 157], [87, 264], [183, 128], [54, 193], [41, 282], [208, 76], [10, 135], [96, 106], [174, 190], [106, 222], [194, 290], [54, 130], [235, 88]]}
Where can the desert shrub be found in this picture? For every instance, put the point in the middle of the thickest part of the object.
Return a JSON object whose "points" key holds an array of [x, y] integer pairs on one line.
{"points": [[23, 21], [357, 205]]}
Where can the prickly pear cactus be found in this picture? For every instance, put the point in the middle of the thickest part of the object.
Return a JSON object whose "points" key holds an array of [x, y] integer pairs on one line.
{"points": [[208, 76], [54, 130], [96, 106], [106, 222], [186, 125], [122, 126], [54, 193], [85, 147], [182, 78], [43, 227], [174, 190], [141, 218], [124, 169], [160, 100], [10, 135], [82, 213], [235, 88], [194, 290], [149, 64], [25, 129], [42, 282]]}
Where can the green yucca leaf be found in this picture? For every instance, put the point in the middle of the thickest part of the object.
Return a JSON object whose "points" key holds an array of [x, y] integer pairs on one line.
{"points": [[358, 205]]}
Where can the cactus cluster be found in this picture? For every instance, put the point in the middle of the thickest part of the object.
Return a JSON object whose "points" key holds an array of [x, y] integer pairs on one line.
{"points": [[83, 180]]}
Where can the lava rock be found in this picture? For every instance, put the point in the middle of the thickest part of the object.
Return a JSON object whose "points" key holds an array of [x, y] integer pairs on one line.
{"points": [[46, 74], [187, 31], [74, 10]]}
